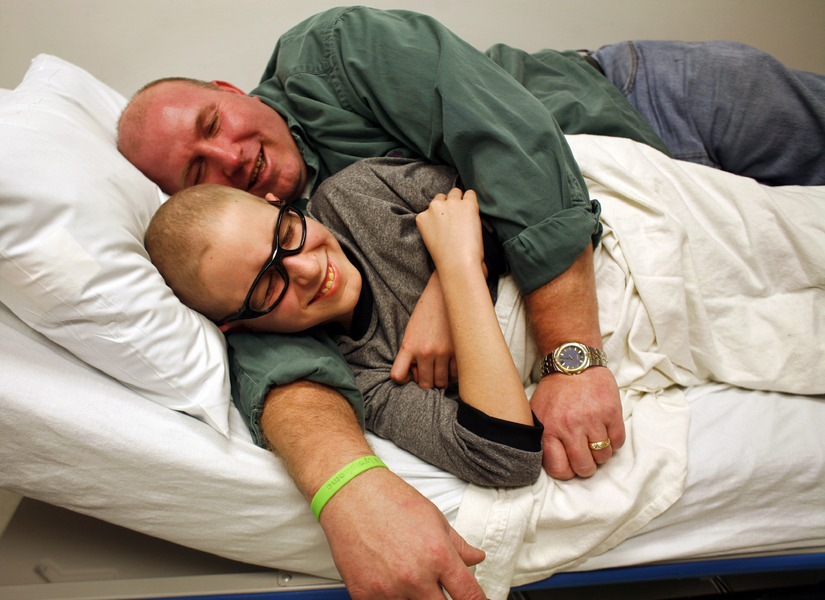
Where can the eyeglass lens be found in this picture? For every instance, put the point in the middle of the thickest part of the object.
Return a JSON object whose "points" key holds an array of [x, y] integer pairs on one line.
{"points": [[272, 285]]}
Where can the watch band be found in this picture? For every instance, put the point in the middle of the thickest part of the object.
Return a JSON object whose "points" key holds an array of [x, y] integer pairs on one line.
{"points": [[593, 357]]}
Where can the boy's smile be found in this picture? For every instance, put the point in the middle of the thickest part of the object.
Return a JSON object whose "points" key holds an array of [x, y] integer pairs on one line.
{"points": [[324, 286]]}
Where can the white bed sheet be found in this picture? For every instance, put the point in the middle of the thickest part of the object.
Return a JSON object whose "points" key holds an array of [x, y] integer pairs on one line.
{"points": [[755, 481], [74, 437], [701, 276]]}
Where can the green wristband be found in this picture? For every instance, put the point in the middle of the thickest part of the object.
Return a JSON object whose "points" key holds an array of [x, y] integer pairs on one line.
{"points": [[340, 479]]}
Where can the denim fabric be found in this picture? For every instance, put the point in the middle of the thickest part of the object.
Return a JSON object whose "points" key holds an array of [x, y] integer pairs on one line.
{"points": [[726, 105]]}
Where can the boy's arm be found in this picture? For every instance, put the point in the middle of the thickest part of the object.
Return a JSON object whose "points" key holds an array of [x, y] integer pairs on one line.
{"points": [[427, 349], [387, 539], [488, 379]]}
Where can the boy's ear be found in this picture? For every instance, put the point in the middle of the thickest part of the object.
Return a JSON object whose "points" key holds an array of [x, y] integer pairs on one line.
{"points": [[234, 326]]}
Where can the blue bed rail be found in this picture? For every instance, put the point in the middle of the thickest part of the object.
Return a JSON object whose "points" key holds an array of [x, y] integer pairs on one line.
{"points": [[635, 574], [683, 570]]}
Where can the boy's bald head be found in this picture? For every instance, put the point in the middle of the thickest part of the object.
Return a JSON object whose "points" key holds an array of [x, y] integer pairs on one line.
{"points": [[181, 232]]}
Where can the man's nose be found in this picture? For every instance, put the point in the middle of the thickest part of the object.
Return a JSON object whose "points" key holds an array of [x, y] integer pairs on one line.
{"points": [[226, 160]]}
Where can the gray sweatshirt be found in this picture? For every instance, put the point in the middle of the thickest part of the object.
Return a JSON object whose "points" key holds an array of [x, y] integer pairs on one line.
{"points": [[370, 208]]}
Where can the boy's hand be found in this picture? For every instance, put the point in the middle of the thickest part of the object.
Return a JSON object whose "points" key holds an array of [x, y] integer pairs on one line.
{"points": [[451, 228], [427, 350]]}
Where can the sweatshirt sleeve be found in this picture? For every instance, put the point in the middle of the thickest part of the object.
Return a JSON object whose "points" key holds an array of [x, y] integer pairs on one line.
{"points": [[452, 435]]}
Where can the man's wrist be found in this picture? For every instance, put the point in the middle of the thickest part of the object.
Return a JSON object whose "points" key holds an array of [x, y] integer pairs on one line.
{"points": [[572, 358], [566, 308], [340, 479], [314, 430]]}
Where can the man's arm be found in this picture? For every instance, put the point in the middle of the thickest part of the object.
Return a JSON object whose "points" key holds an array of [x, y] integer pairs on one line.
{"points": [[575, 409], [529, 186], [387, 540]]}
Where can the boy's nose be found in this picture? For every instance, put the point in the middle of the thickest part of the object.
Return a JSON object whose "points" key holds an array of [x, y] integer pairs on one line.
{"points": [[304, 269]]}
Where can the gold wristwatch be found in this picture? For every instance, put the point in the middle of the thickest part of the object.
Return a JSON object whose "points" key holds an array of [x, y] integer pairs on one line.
{"points": [[572, 358]]}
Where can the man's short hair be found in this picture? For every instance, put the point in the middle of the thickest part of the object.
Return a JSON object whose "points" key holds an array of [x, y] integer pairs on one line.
{"points": [[134, 114]]}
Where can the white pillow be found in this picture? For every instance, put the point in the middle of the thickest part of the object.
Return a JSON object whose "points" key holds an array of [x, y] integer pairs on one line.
{"points": [[72, 262]]}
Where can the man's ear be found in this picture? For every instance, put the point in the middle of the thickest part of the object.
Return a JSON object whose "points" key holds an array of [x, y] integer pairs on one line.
{"points": [[228, 87], [274, 200]]}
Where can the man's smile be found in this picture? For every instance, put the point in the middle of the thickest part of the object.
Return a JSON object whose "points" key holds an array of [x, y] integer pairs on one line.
{"points": [[256, 170]]}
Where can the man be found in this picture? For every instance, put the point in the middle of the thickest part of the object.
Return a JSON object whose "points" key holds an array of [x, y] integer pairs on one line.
{"points": [[354, 83]]}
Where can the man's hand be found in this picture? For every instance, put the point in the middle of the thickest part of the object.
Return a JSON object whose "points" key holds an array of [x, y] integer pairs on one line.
{"points": [[577, 410], [427, 349], [388, 541]]}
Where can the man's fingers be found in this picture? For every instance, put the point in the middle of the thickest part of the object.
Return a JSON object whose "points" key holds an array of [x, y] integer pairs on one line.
{"points": [[469, 554], [457, 579], [461, 585], [599, 445], [555, 460], [602, 456], [617, 434], [581, 459]]}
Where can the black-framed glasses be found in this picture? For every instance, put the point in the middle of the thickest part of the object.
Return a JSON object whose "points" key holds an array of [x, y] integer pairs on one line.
{"points": [[272, 281]]}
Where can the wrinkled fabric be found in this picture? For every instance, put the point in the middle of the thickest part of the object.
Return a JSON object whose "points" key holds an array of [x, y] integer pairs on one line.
{"points": [[701, 276]]}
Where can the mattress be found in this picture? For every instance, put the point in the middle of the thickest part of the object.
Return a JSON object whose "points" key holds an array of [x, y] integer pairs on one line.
{"points": [[75, 438], [750, 480]]}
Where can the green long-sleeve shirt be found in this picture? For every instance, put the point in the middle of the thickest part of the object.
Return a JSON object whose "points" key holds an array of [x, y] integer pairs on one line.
{"points": [[357, 82]]}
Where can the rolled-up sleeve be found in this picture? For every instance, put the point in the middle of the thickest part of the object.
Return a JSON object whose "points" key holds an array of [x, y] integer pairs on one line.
{"points": [[451, 103], [365, 82], [261, 361]]}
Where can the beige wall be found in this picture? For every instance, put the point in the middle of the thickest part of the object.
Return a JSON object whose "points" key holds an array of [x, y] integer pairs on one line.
{"points": [[128, 42]]}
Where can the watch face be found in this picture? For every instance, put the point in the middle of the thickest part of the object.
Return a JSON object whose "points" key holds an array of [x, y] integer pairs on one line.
{"points": [[571, 358]]}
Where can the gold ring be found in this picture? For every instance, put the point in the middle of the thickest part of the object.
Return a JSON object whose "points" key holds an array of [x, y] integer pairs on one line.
{"points": [[600, 445]]}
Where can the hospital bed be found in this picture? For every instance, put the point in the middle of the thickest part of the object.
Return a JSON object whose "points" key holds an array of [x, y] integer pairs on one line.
{"points": [[107, 411]]}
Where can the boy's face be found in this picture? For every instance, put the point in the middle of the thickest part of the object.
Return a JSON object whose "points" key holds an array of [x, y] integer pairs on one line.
{"points": [[324, 286]]}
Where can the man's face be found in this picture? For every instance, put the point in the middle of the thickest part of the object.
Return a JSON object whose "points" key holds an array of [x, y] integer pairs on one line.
{"points": [[191, 135], [324, 286]]}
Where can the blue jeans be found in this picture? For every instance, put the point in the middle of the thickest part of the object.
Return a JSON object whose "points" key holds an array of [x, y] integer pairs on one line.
{"points": [[726, 105]]}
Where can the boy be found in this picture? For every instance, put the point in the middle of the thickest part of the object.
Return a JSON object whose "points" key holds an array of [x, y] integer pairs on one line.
{"points": [[362, 284]]}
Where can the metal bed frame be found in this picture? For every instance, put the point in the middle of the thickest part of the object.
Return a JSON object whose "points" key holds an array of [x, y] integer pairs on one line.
{"points": [[51, 549], [715, 569]]}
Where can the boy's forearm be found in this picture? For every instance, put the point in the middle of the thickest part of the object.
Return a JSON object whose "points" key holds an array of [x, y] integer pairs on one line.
{"points": [[488, 379]]}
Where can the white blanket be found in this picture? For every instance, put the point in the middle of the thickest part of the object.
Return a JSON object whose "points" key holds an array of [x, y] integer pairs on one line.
{"points": [[702, 276]]}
